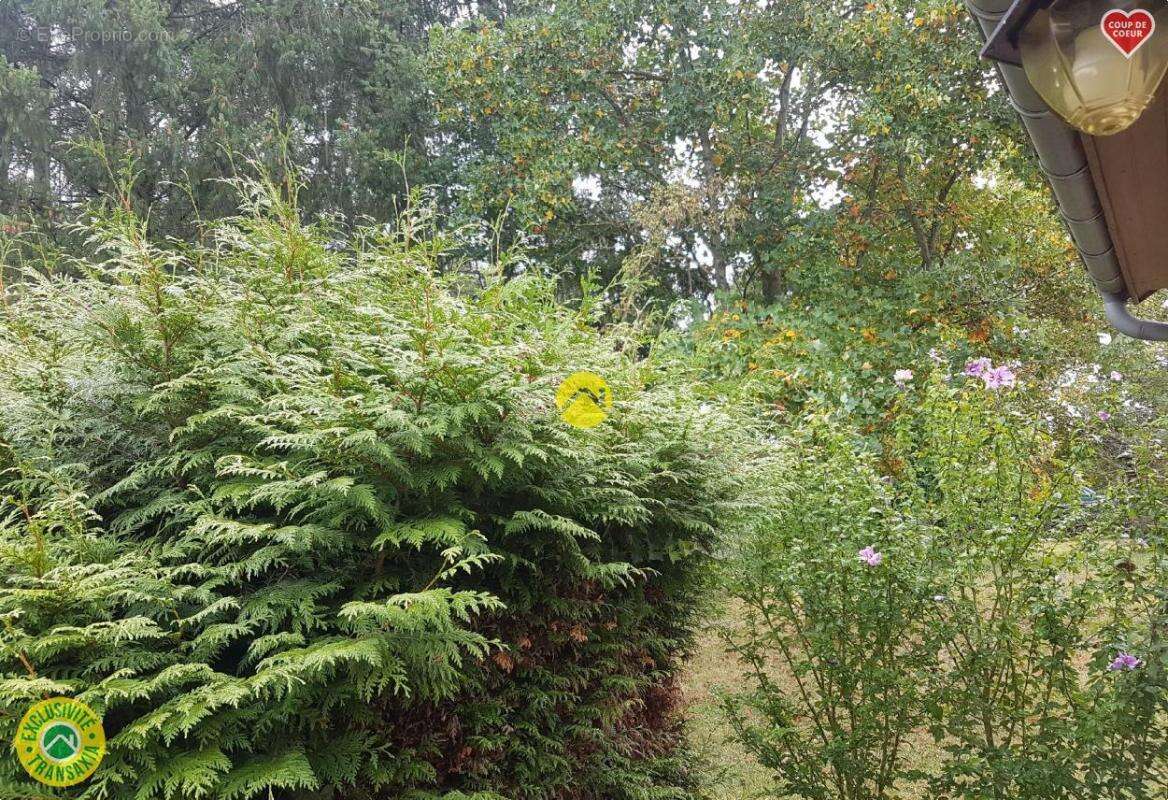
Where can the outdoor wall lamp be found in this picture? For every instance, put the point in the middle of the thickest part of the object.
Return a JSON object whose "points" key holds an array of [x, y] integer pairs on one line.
{"points": [[1097, 63]]}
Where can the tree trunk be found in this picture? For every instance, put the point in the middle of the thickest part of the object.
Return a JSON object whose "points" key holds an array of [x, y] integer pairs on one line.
{"points": [[772, 280]]}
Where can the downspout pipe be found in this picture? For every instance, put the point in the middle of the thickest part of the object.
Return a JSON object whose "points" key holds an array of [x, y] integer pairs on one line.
{"points": [[1122, 320]]}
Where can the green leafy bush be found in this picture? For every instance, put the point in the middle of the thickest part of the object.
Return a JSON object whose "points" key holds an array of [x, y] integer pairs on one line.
{"points": [[963, 595], [836, 685], [299, 519]]}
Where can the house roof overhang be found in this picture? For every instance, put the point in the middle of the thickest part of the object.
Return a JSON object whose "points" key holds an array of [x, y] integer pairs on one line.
{"points": [[1112, 192]]}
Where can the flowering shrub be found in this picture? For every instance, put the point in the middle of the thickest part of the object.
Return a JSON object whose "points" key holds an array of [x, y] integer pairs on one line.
{"points": [[955, 593], [999, 377], [833, 635]]}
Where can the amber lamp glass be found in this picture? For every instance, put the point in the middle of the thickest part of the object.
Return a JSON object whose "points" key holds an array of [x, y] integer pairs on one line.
{"points": [[1095, 81]]}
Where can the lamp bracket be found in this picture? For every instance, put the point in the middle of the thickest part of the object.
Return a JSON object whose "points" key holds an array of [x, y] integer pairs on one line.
{"points": [[1003, 42]]}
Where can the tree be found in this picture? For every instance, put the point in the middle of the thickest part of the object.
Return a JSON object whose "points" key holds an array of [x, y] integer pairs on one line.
{"points": [[187, 86], [723, 141], [608, 129]]}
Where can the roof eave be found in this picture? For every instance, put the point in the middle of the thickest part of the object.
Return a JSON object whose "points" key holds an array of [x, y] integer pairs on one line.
{"points": [[1059, 147]]}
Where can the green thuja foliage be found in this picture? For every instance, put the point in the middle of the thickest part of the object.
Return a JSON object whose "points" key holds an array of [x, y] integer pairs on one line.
{"points": [[299, 519]]}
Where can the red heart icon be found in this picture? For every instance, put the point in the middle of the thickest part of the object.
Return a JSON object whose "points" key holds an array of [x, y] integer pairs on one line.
{"points": [[1128, 30]]}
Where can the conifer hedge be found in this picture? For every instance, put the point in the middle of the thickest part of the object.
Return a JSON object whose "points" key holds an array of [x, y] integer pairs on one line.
{"points": [[299, 519]]}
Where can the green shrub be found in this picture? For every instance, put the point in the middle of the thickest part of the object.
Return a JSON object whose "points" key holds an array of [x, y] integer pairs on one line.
{"points": [[838, 660], [299, 520], [982, 636]]}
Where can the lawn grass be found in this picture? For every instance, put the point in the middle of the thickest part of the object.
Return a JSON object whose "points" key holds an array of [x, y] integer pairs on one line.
{"points": [[729, 771]]}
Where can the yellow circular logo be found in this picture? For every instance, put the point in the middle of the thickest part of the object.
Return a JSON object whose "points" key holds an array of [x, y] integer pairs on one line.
{"points": [[584, 400], [60, 741]]}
